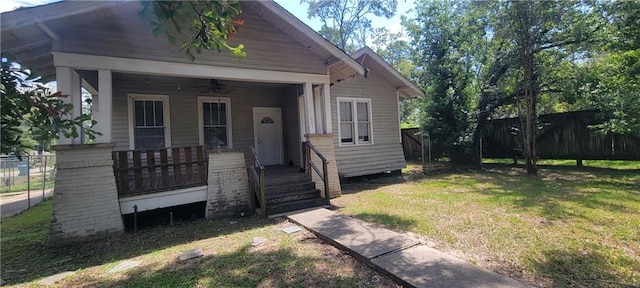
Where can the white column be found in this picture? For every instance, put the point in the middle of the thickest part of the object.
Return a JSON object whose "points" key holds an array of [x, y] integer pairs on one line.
{"points": [[68, 82], [103, 107], [308, 108], [317, 105], [326, 93]]}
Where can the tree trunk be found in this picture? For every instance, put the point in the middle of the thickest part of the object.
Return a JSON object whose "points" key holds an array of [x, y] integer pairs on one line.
{"points": [[527, 61]]}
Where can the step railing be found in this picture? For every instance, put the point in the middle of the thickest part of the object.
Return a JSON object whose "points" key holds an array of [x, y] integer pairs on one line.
{"points": [[256, 179], [324, 176], [155, 170]]}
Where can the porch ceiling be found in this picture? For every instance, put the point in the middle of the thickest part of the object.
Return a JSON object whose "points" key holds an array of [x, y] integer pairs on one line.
{"points": [[28, 34]]}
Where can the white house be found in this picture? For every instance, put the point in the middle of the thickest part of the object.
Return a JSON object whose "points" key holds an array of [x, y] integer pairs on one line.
{"points": [[176, 131]]}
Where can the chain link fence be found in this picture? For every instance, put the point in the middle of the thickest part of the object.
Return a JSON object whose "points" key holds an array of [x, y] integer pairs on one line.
{"points": [[33, 175]]}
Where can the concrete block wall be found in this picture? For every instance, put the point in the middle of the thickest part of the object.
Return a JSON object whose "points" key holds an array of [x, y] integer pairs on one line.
{"points": [[85, 198], [324, 145], [228, 192]]}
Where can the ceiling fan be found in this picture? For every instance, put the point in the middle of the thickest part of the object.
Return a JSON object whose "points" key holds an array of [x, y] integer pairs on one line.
{"points": [[215, 88]]}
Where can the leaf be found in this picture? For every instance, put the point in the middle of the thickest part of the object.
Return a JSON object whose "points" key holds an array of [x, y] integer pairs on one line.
{"points": [[171, 38], [156, 31]]}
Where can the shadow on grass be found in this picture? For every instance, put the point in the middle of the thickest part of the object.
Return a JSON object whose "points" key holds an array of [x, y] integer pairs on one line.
{"points": [[578, 268], [245, 267], [412, 174], [24, 260], [388, 220]]}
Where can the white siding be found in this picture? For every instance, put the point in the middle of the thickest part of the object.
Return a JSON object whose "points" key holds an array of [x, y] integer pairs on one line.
{"points": [[386, 153]]}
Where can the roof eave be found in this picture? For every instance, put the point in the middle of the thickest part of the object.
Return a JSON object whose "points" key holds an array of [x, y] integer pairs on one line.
{"points": [[407, 86]]}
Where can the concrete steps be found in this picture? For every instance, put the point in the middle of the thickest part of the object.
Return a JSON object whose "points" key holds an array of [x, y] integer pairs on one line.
{"points": [[286, 192]]}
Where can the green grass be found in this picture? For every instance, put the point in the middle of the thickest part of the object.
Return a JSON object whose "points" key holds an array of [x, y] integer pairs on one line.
{"points": [[613, 164], [285, 260], [568, 227], [36, 184]]}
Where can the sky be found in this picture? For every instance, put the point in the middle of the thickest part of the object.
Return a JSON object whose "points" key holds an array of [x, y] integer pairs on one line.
{"points": [[294, 6]]}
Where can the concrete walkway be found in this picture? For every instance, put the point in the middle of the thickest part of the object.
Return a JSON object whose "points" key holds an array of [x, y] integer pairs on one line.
{"points": [[403, 259]]}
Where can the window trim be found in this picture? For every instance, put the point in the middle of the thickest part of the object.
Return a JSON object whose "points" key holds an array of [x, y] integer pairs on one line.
{"points": [[166, 115], [354, 113], [209, 99]]}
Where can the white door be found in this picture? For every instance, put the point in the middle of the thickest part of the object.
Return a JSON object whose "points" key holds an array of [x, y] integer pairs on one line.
{"points": [[267, 134]]}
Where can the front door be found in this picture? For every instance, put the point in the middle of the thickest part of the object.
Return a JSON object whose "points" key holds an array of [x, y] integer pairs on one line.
{"points": [[267, 134]]}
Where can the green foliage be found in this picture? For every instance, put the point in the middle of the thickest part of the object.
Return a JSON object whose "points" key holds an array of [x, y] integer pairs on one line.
{"points": [[480, 60], [344, 21], [393, 49], [445, 68], [615, 91], [29, 110], [210, 24]]}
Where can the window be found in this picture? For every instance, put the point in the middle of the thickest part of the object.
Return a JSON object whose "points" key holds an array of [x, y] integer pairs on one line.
{"points": [[354, 116], [214, 115], [149, 122]]}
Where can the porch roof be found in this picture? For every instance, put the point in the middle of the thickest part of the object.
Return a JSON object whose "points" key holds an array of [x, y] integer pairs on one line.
{"points": [[372, 60], [29, 34]]}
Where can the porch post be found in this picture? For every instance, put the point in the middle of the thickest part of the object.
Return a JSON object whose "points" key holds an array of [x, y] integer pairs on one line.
{"points": [[69, 84], [103, 107], [308, 108], [326, 93], [318, 104]]}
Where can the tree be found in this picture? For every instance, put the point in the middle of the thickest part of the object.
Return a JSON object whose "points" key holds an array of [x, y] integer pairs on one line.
{"points": [[500, 59], [30, 110], [613, 81], [538, 30], [210, 24], [344, 21], [444, 62]]}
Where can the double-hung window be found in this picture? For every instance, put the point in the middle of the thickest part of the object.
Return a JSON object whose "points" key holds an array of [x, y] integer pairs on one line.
{"points": [[214, 118], [149, 116], [354, 116]]}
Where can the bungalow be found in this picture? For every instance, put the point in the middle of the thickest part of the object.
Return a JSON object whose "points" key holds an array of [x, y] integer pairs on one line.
{"points": [[235, 133]]}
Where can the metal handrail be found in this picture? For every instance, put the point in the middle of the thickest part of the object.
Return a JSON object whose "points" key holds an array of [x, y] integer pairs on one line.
{"points": [[257, 179], [324, 176]]}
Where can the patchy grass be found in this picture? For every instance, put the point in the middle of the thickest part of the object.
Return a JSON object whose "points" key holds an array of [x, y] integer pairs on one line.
{"points": [[229, 260], [568, 227]]}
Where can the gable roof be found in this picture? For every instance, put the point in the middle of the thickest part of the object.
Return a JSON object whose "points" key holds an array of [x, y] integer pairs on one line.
{"points": [[28, 33], [372, 60]]}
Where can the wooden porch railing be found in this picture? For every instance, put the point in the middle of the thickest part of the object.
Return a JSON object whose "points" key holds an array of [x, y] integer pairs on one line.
{"points": [[324, 176], [150, 171], [256, 179]]}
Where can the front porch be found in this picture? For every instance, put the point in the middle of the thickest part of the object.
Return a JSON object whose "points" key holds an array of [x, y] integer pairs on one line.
{"points": [[180, 132], [160, 178]]}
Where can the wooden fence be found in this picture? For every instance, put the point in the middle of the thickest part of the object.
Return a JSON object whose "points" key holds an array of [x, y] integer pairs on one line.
{"points": [[560, 136], [411, 143]]}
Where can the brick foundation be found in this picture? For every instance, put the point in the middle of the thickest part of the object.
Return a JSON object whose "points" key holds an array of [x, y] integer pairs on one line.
{"points": [[324, 144], [228, 192], [85, 198]]}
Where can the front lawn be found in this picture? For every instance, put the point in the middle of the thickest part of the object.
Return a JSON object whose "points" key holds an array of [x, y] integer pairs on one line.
{"points": [[568, 227], [285, 260]]}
